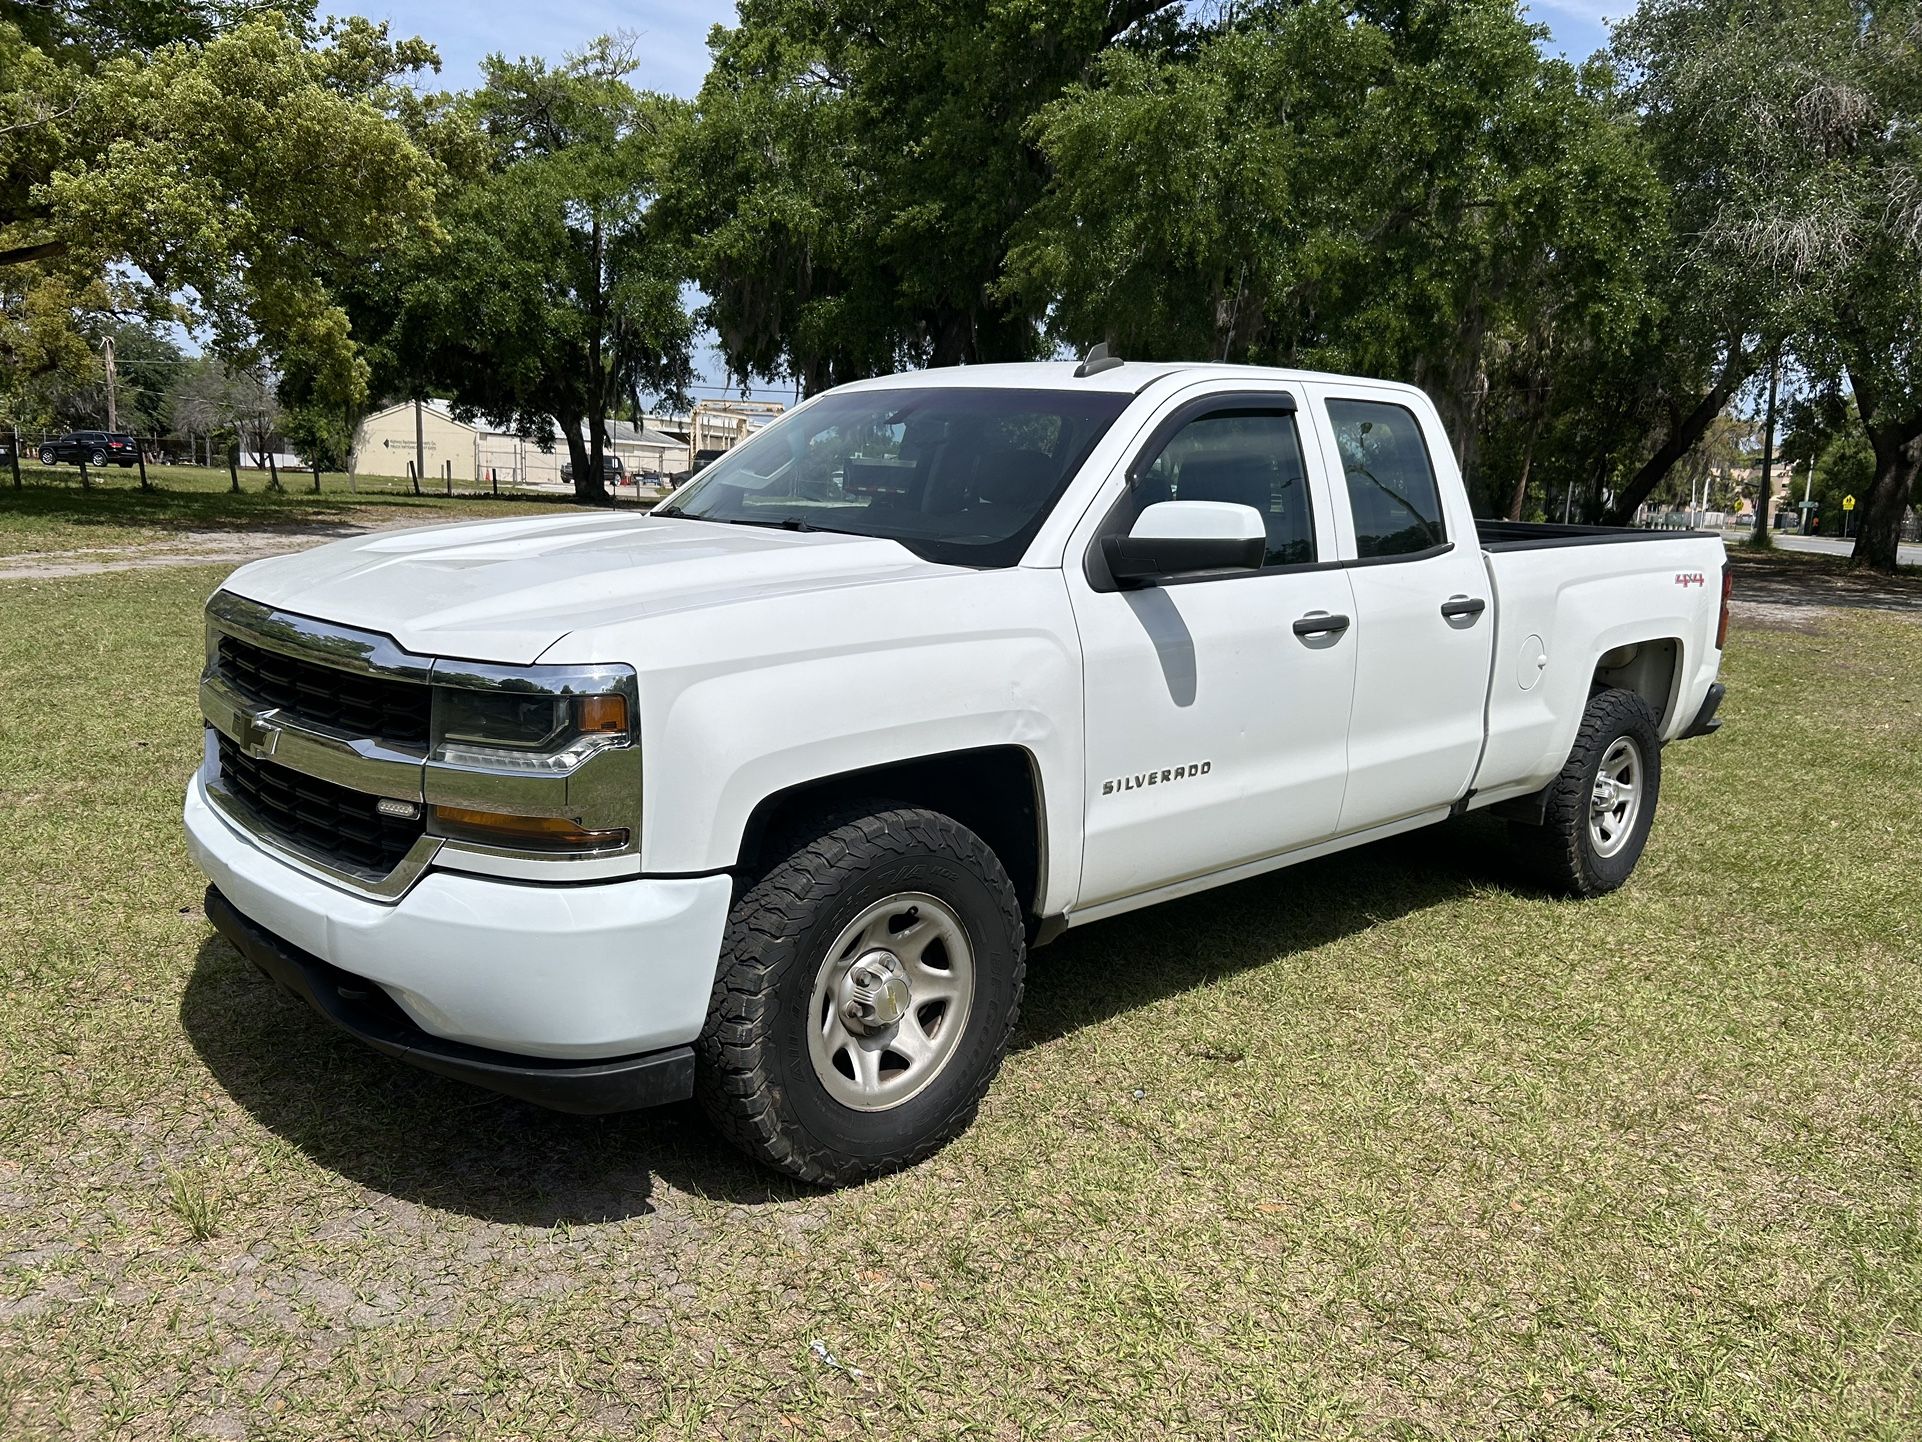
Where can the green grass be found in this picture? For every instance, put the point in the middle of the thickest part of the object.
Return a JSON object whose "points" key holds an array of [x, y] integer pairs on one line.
{"points": [[1379, 1147], [50, 511]]}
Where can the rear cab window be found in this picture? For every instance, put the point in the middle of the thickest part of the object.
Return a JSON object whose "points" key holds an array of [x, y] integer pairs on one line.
{"points": [[1393, 495]]}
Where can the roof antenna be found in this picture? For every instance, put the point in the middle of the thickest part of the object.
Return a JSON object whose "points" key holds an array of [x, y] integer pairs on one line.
{"points": [[1096, 361]]}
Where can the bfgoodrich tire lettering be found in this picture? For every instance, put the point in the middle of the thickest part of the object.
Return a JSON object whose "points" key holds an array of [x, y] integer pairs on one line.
{"points": [[756, 1076], [1599, 809]]}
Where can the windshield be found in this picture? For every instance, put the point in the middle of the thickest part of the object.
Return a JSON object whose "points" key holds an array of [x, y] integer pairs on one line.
{"points": [[963, 477]]}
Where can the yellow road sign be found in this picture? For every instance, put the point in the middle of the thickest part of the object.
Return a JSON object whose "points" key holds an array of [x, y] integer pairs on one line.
{"points": [[1848, 503]]}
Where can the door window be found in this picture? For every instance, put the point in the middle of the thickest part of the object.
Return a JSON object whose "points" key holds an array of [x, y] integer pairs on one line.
{"points": [[1250, 458], [1391, 483]]}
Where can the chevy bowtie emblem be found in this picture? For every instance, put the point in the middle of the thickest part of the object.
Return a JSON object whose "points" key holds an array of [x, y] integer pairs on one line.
{"points": [[255, 737]]}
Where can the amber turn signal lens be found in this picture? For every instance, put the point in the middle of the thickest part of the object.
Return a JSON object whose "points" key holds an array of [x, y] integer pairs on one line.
{"points": [[603, 715], [540, 833]]}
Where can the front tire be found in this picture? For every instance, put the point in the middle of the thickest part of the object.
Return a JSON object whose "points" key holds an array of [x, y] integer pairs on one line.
{"points": [[1599, 809], [46, 455], [868, 985]]}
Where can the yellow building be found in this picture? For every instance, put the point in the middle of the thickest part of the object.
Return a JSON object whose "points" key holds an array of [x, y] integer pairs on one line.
{"points": [[385, 444]]}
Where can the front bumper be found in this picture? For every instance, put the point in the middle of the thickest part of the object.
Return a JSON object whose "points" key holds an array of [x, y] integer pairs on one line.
{"points": [[576, 973], [615, 1085]]}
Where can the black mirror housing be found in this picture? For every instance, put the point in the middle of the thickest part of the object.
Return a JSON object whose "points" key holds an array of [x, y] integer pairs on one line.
{"points": [[1142, 560]]}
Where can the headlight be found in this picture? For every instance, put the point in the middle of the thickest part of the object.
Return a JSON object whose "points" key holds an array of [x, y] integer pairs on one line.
{"points": [[522, 724]]}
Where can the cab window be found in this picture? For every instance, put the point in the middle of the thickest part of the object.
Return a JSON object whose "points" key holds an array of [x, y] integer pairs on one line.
{"points": [[1249, 458], [1391, 482]]}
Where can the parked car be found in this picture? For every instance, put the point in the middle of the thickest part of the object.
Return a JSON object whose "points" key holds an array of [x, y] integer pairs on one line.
{"points": [[610, 470], [96, 448], [764, 797]]}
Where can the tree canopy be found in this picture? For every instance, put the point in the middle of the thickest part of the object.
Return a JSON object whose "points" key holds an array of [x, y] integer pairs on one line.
{"points": [[1587, 266], [222, 174], [554, 302]]}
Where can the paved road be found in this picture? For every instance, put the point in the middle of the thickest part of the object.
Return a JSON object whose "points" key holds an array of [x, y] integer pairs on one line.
{"points": [[1909, 554]]}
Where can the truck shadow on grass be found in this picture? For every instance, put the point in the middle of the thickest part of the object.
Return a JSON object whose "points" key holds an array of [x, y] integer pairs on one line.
{"points": [[426, 1140]]}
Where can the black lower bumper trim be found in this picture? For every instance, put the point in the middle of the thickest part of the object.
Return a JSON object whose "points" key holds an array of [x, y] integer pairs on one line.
{"points": [[358, 1006], [1706, 722]]}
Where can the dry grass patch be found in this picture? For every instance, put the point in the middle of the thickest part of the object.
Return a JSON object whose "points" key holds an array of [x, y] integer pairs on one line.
{"points": [[1379, 1147]]}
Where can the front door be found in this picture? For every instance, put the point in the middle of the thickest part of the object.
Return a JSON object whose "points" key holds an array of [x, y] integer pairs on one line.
{"points": [[1216, 731]]}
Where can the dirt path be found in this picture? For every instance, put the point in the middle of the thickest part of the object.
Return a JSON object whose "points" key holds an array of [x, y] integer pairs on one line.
{"points": [[190, 548], [1795, 593]]}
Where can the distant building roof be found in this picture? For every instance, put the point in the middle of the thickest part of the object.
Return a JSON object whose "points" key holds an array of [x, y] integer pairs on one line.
{"points": [[642, 435]]}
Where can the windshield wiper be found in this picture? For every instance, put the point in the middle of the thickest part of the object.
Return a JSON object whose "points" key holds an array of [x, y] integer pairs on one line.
{"points": [[786, 523]]}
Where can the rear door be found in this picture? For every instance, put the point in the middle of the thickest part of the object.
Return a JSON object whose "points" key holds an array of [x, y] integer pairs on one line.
{"points": [[1424, 622], [1216, 733]]}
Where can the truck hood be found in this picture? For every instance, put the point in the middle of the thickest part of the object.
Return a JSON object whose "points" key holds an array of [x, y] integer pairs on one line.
{"points": [[507, 590]]}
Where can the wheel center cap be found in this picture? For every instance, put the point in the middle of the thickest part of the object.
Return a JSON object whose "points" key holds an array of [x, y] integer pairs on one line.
{"points": [[1604, 794], [874, 991]]}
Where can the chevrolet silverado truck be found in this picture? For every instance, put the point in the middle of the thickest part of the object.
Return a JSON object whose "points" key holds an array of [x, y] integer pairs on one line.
{"points": [[764, 796]]}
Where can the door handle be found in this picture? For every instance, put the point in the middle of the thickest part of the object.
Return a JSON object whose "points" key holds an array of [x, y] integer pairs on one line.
{"points": [[1463, 606], [1321, 624]]}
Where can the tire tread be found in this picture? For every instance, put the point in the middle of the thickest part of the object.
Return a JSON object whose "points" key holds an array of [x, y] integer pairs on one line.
{"points": [[761, 943]]}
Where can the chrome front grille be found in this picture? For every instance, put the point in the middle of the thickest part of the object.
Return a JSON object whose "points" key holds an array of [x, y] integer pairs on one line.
{"points": [[352, 703], [320, 745], [346, 827]]}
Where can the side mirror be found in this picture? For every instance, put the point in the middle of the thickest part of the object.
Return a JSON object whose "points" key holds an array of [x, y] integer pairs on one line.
{"points": [[1181, 538]]}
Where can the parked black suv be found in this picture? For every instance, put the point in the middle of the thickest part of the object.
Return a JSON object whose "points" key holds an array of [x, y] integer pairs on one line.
{"points": [[96, 448]]}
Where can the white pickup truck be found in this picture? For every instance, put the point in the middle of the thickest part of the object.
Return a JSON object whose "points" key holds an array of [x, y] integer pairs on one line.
{"points": [[765, 795]]}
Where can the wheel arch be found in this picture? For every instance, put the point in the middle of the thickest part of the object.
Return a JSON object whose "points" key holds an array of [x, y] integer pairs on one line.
{"points": [[994, 791], [1652, 669]]}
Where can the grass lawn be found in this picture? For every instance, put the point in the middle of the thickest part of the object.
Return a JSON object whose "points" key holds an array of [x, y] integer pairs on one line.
{"points": [[50, 511], [1378, 1147]]}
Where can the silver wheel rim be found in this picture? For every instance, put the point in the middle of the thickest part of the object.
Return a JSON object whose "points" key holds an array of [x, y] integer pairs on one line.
{"points": [[891, 1002], [1617, 798]]}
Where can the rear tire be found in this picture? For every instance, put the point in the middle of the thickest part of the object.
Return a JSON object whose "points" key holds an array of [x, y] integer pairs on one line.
{"points": [[46, 455], [868, 985], [98, 458], [1599, 809]]}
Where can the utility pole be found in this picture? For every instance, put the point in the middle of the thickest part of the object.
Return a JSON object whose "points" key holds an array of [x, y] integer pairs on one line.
{"points": [[420, 448], [1761, 536], [106, 354]]}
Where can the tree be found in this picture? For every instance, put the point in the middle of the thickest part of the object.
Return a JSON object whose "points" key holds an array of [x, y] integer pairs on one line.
{"points": [[1785, 132], [557, 298], [853, 173], [224, 174], [1863, 105], [213, 400], [1409, 190]]}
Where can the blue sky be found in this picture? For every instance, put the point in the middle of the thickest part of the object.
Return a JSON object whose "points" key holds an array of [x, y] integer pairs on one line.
{"points": [[673, 46], [674, 32]]}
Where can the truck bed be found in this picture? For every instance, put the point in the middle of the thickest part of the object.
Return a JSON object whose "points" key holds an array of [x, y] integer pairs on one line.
{"points": [[1566, 596], [1541, 535]]}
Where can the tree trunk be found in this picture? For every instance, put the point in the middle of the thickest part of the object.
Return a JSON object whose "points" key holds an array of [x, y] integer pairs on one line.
{"points": [[1518, 498], [1898, 465], [1765, 496], [577, 454], [1897, 441], [590, 486], [1683, 433], [953, 341]]}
